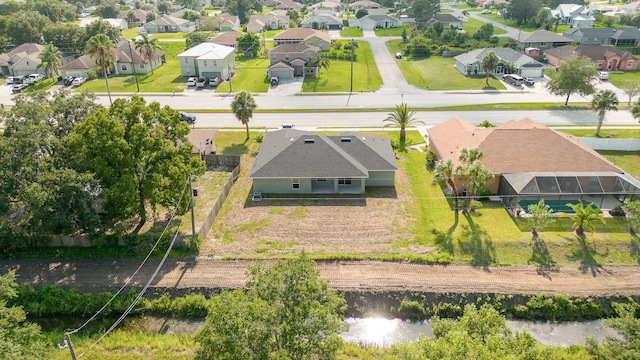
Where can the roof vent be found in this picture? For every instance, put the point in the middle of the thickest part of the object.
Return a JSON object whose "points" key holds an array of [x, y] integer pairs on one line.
{"points": [[309, 141], [345, 139], [291, 140], [364, 138]]}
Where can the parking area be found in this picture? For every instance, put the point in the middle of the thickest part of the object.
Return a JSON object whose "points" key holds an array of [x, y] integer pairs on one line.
{"points": [[287, 87]]}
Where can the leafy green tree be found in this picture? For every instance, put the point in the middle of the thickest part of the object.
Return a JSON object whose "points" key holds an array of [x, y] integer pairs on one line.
{"points": [[423, 10], [195, 38], [18, 339], [631, 88], [539, 216], [479, 334], [522, 10], [602, 102], [65, 36], [486, 124], [628, 326], [584, 217], [101, 27], [50, 60], [25, 26], [243, 8], [573, 76], [489, 63], [248, 42], [102, 49], [484, 33], [242, 106], [107, 10], [402, 117], [139, 154], [286, 313], [473, 173], [147, 48], [632, 212], [444, 173], [361, 13], [635, 110]]}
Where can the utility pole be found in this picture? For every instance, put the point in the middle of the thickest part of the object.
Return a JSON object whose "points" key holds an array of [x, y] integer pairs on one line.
{"points": [[352, 50], [68, 340], [193, 221], [135, 74]]}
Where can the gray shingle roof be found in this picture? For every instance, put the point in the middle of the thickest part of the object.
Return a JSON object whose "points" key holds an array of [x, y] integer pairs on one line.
{"points": [[545, 36], [290, 153], [504, 54]]}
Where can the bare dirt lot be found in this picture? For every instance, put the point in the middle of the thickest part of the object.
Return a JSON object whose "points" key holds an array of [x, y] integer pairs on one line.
{"points": [[373, 224]]}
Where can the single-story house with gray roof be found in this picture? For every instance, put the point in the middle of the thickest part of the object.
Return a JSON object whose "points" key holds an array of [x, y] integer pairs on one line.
{"points": [[543, 40], [300, 162], [470, 63], [322, 22], [371, 22], [604, 36]]}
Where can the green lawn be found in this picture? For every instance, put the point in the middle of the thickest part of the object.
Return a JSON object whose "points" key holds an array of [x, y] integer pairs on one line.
{"points": [[171, 36], [269, 34], [130, 33], [604, 132], [494, 237], [629, 161], [45, 84], [438, 73], [251, 75], [166, 78], [474, 25], [503, 21], [348, 32], [395, 31], [620, 79], [337, 78], [233, 142]]}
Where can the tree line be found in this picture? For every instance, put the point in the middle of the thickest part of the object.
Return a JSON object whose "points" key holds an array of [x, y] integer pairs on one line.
{"points": [[69, 166]]}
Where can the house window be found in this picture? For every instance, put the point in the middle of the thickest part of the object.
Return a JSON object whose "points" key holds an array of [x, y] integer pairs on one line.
{"points": [[123, 67], [186, 60], [321, 180], [215, 63], [141, 66], [543, 44], [205, 63], [344, 181], [630, 63], [599, 64], [610, 64], [295, 183]]}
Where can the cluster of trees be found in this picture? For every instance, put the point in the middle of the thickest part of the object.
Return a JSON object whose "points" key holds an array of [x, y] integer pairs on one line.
{"points": [[432, 40], [243, 8], [69, 166], [536, 12]]}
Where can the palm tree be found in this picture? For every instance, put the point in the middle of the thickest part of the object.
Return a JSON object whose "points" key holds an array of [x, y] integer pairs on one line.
{"points": [[489, 64], [603, 101], [443, 172], [476, 175], [556, 21], [51, 59], [243, 106], [131, 18], [147, 48], [584, 217], [402, 117], [101, 48]]}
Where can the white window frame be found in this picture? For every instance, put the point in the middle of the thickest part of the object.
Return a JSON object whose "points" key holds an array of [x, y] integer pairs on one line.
{"points": [[295, 184], [344, 181]]}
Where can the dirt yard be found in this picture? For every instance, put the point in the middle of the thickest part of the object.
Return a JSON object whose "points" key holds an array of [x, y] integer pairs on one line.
{"points": [[375, 224]]}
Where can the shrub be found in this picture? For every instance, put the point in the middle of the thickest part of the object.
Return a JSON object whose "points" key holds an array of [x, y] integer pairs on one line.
{"points": [[259, 138], [413, 309], [431, 160]]}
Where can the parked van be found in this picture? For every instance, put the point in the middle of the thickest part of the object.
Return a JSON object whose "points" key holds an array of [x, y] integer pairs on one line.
{"points": [[513, 79], [34, 78]]}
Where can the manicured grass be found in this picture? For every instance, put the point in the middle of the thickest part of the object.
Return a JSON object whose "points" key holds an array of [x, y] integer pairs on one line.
{"points": [[166, 78], [629, 161], [496, 238], [269, 34], [395, 31], [503, 21], [438, 73], [474, 25], [130, 33], [171, 36], [604, 132], [348, 32], [620, 80], [337, 78], [233, 142], [45, 84], [251, 75], [518, 106]]}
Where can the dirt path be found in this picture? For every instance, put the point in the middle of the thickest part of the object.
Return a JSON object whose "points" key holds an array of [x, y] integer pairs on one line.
{"points": [[96, 275]]}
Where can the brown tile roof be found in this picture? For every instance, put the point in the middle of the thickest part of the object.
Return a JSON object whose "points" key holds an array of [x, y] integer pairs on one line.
{"points": [[302, 34], [227, 38], [85, 62], [593, 52], [518, 147], [293, 48], [202, 140]]}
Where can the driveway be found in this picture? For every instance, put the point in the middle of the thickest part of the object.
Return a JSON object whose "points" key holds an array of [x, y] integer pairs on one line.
{"points": [[287, 87]]}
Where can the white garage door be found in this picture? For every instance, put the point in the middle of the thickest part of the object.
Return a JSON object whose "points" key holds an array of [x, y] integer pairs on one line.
{"points": [[531, 72], [283, 74]]}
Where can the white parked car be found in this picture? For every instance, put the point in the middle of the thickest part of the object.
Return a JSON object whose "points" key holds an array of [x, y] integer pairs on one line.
{"points": [[78, 81], [34, 78], [486, 11], [192, 81], [9, 80], [603, 75]]}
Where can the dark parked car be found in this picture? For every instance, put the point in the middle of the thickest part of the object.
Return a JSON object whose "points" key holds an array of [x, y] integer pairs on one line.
{"points": [[69, 80], [18, 79], [275, 80], [18, 88], [189, 118]]}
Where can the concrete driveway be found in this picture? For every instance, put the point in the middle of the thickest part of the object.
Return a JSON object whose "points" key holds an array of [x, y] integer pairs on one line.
{"points": [[286, 87]]}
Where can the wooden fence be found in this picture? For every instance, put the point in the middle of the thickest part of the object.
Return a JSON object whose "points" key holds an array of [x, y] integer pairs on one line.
{"points": [[211, 217], [221, 160]]}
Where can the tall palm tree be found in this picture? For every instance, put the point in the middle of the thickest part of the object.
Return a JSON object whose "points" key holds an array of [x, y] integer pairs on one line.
{"points": [[147, 48], [635, 110], [443, 172], [603, 101], [489, 63], [584, 217], [402, 117], [51, 59], [556, 21], [475, 174], [101, 48], [242, 107]]}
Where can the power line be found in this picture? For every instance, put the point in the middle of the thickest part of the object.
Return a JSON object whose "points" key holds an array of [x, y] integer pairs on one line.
{"points": [[136, 272]]}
